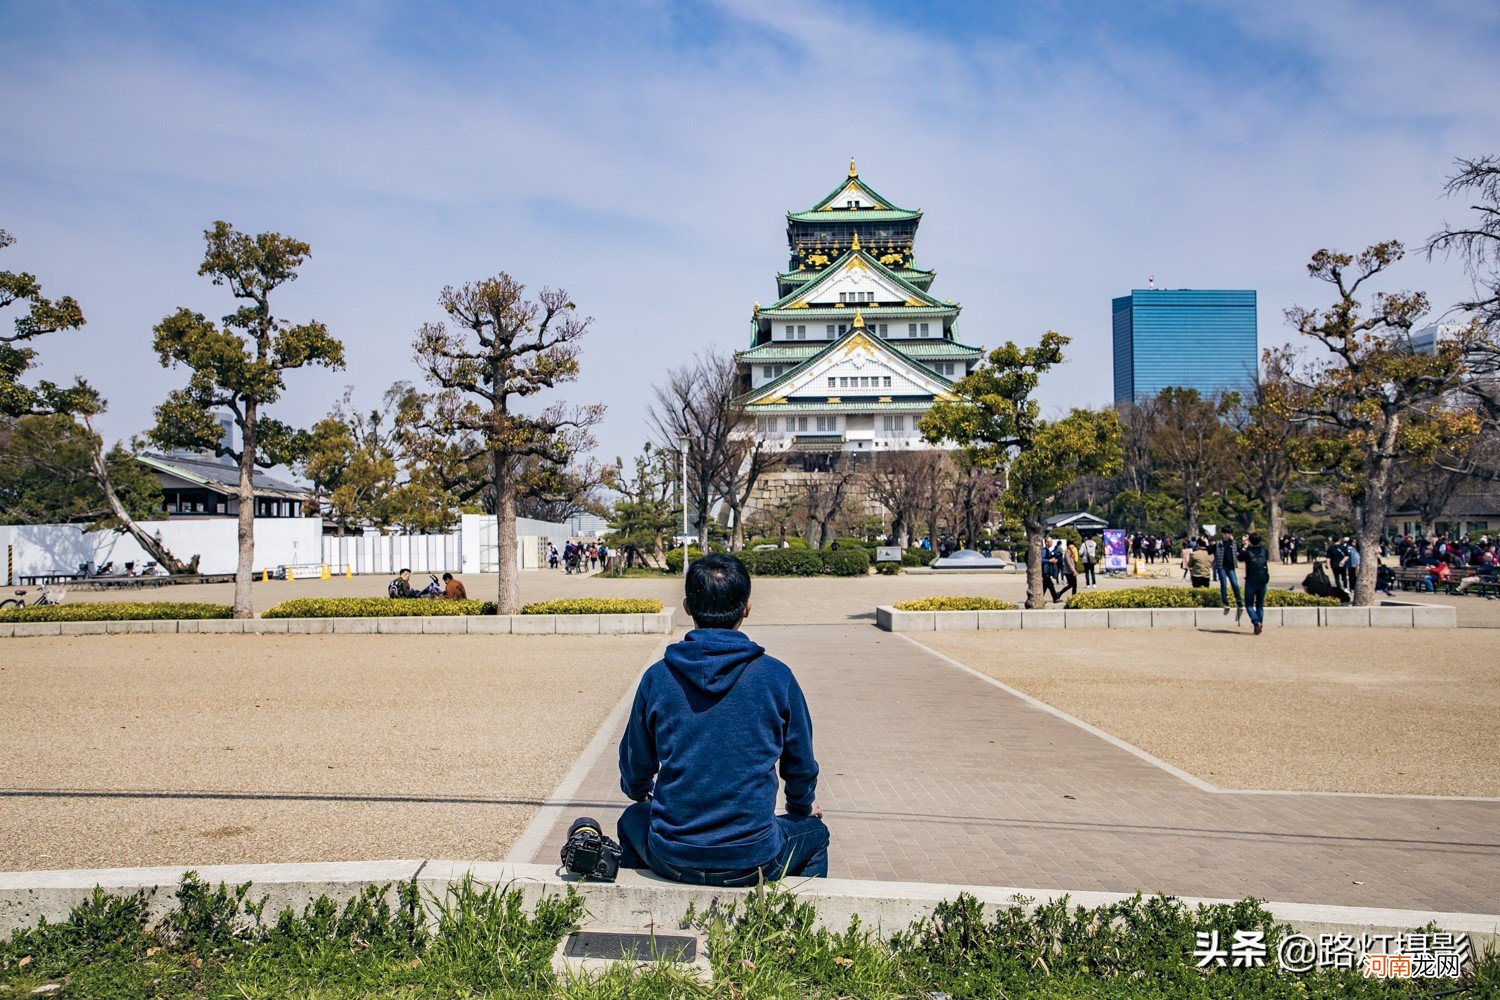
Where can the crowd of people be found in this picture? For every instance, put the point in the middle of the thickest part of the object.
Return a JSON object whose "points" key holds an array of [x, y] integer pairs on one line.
{"points": [[579, 557]]}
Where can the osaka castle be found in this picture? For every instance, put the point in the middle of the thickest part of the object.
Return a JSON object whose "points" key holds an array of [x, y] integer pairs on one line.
{"points": [[855, 348]]}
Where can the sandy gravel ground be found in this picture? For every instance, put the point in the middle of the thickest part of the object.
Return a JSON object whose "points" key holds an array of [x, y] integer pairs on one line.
{"points": [[220, 749], [1373, 710], [785, 601]]}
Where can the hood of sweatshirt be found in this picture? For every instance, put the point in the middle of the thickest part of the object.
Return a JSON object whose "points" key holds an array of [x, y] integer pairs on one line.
{"points": [[712, 659]]}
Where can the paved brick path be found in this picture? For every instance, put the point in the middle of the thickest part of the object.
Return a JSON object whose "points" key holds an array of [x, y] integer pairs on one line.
{"points": [[930, 774]]}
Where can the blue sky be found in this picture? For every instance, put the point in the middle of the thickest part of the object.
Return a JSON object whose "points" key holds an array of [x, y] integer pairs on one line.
{"points": [[642, 155]]}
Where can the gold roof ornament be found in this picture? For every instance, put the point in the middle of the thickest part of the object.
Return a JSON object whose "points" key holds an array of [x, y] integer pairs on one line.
{"points": [[859, 320], [854, 243], [853, 171], [757, 307]]}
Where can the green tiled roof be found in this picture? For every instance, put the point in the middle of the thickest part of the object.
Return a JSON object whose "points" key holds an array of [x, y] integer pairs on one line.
{"points": [[901, 282], [869, 192], [845, 215], [830, 345], [912, 274], [847, 405], [921, 349], [876, 315]]}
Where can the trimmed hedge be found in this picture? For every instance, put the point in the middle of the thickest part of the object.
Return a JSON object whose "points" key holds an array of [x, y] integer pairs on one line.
{"points": [[1185, 597], [783, 562], [888, 569], [917, 556], [853, 543], [376, 607], [595, 606], [121, 611], [792, 542], [955, 604], [674, 555], [846, 562]]}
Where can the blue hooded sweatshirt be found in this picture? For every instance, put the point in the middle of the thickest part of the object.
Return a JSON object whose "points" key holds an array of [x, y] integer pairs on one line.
{"points": [[711, 721]]}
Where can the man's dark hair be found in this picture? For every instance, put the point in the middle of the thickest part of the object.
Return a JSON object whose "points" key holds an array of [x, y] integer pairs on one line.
{"points": [[447, 576], [1254, 538], [403, 570], [718, 586]]}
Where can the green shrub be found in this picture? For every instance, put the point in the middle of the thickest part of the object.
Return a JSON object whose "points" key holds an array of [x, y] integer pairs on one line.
{"points": [[121, 611], [594, 606], [674, 555], [846, 562], [376, 607], [917, 556], [955, 604], [1297, 599], [853, 543], [1185, 597], [792, 542], [783, 562], [888, 568]]}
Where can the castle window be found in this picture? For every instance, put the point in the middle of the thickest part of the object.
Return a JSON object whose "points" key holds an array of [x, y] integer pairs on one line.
{"points": [[844, 382], [887, 381], [894, 422], [843, 328], [830, 331], [832, 382], [765, 371], [791, 333], [801, 332], [881, 330], [828, 425], [911, 329], [924, 329], [801, 423]]}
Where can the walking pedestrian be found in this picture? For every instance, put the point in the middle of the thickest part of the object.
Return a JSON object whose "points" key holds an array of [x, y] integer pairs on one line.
{"points": [[1090, 554], [1257, 578], [1226, 567]]}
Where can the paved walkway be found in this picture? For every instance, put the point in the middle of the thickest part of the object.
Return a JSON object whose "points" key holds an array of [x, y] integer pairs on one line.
{"points": [[931, 774]]}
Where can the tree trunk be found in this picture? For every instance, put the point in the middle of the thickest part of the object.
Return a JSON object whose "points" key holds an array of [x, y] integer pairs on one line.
{"points": [[508, 596], [1370, 512], [245, 568], [151, 543], [737, 537], [1193, 528], [1275, 520], [1036, 534]]}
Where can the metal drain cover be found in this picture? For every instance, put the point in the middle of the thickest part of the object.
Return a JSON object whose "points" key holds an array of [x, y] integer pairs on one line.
{"points": [[631, 946], [594, 949]]}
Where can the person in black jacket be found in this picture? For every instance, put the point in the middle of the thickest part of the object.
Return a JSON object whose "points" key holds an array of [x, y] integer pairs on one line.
{"points": [[1257, 560], [1226, 567]]}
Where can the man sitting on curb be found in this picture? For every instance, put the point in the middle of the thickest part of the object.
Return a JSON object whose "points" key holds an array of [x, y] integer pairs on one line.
{"points": [[712, 720]]}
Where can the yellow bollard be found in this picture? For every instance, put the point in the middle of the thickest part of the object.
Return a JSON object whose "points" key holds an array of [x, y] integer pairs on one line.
{"points": [[348, 572], [291, 573], [265, 576], [327, 574]]}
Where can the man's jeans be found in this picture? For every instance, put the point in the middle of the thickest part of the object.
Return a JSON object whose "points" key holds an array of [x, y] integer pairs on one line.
{"points": [[1229, 575], [804, 856], [1255, 601]]}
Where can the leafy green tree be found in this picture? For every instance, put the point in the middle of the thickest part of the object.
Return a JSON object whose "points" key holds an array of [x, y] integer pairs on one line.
{"points": [[1191, 447], [47, 475], [42, 316], [999, 425], [240, 366], [645, 513], [502, 349], [1368, 400]]}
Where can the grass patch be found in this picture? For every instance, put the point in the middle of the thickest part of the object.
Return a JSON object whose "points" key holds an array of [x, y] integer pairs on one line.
{"points": [[955, 604], [635, 573], [1185, 597], [376, 607], [479, 941], [595, 606], [122, 611]]}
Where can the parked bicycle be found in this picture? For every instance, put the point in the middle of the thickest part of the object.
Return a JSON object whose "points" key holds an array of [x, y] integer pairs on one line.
{"points": [[45, 597]]}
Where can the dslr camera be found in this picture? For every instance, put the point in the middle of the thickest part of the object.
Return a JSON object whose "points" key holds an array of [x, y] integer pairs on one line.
{"points": [[588, 852]]}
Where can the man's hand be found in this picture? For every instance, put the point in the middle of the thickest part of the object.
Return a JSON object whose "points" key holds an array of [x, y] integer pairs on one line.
{"points": [[816, 812]]}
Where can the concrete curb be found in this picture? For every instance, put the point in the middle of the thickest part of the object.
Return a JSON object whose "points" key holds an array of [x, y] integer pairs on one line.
{"points": [[638, 897], [660, 623], [1381, 616]]}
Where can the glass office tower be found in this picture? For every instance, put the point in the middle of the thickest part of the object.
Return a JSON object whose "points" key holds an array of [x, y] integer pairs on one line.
{"points": [[1190, 338]]}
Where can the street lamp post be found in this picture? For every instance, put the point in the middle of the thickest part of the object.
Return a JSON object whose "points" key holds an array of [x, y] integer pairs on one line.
{"points": [[682, 445]]}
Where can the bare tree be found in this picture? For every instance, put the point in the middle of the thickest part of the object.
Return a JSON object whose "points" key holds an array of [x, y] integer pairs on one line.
{"points": [[738, 476], [1192, 447], [1263, 447], [902, 482], [696, 403], [825, 500], [504, 348]]}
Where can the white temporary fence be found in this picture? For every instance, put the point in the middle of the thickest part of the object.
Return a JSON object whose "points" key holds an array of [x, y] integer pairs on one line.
{"points": [[32, 549], [279, 542]]}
